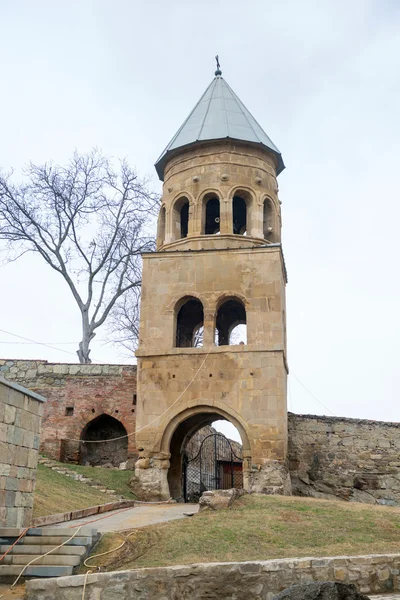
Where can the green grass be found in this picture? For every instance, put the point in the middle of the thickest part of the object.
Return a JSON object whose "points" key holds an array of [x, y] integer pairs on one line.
{"points": [[261, 528], [55, 493], [113, 479]]}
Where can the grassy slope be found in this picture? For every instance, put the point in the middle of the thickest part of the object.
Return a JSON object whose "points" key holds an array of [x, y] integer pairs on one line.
{"points": [[55, 493], [260, 528], [113, 479]]}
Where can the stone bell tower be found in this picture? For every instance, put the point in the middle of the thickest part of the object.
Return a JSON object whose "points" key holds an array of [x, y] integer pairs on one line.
{"points": [[218, 265]]}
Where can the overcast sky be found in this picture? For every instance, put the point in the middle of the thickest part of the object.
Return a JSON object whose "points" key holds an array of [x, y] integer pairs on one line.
{"points": [[321, 77]]}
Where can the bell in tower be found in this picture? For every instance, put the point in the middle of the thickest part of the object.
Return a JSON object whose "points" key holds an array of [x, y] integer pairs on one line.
{"points": [[218, 266]]}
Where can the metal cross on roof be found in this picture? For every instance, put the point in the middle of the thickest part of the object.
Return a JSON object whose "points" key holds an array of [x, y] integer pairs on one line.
{"points": [[218, 71]]}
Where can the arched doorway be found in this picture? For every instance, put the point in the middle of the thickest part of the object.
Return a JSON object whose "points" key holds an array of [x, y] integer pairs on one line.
{"points": [[99, 453], [216, 451], [211, 461]]}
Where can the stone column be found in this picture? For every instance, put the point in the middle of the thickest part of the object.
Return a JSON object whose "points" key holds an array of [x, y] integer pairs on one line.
{"points": [[209, 329], [225, 215], [151, 478]]}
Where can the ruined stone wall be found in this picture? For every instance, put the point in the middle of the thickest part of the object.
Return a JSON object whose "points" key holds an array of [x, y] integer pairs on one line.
{"points": [[76, 394], [20, 417], [350, 459]]}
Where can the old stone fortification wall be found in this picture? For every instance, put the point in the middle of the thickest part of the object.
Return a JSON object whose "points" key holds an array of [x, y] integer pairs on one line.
{"points": [[20, 417], [329, 457], [261, 580], [350, 459], [76, 394]]}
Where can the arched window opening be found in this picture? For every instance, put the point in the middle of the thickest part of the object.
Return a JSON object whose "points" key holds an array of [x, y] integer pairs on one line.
{"points": [[189, 324], [268, 220], [113, 452], [212, 217], [180, 217], [198, 336], [230, 324], [239, 215], [184, 220], [238, 335], [161, 226]]}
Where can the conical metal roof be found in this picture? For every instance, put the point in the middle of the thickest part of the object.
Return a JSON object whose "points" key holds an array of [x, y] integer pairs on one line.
{"points": [[219, 114]]}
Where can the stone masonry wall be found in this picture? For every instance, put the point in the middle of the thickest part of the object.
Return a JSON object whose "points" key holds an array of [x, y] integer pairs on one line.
{"points": [[76, 394], [20, 419], [350, 459], [261, 580]]}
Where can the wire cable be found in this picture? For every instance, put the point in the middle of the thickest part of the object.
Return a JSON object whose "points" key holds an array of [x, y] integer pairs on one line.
{"points": [[311, 394], [21, 337], [151, 422]]}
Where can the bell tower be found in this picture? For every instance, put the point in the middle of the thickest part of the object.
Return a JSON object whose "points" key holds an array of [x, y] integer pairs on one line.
{"points": [[218, 269]]}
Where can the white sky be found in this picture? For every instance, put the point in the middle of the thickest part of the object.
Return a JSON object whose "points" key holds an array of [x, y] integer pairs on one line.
{"points": [[321, 77]]}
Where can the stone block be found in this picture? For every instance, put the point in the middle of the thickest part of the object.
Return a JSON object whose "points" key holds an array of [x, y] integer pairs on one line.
{"points": [[9, 414], [10, 499], [4, 452], [12, 484]]}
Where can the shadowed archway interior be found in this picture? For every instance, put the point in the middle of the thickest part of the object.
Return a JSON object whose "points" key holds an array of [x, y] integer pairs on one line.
{"points": [[181, 436], [104, 427]]}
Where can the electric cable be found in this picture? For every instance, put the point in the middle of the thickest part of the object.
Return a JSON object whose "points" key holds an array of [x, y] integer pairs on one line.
{"points": [[151, 422], [311, 394]]}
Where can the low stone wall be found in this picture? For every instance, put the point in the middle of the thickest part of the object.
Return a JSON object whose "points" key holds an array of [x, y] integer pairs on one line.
{"points": [[76, 395], [374, 574], [350, 459], [20, 421]]}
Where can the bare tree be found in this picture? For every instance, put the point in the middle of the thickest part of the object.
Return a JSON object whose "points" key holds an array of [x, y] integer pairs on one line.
{"points": [[89, 222], [124, 320]]}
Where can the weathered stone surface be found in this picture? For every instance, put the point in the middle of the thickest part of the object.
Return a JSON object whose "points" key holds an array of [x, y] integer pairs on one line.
{"points": [[326, 590], [218, 499], [18, 454], [374, 574], [351, 459]]}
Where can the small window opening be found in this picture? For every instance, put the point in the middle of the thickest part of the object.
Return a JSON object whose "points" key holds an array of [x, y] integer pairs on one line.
{"points": [[184, 219], [180, 218], [231, 329], [212, 219], [239, 215], [189, 324], [69, 411], [134, 400], [93, 410]]}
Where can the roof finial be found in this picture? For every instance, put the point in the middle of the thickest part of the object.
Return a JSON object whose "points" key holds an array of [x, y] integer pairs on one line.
{"points": [[218, 71]]}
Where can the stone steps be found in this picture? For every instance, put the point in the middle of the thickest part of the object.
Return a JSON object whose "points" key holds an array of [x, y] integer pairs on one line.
{"points": [[54, 466], [53, 540], [7, 571], [37, 542], [58, 560], [41, 549]]}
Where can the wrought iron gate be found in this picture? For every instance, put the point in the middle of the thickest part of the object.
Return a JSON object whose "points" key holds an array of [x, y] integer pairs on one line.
{"points": [[215, 467]]}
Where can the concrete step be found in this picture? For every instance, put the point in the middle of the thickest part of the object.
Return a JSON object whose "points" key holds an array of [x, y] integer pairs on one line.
{"points": [[62, 531], [36, 571], [40, 549], [60, 560], [47, 540]]}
